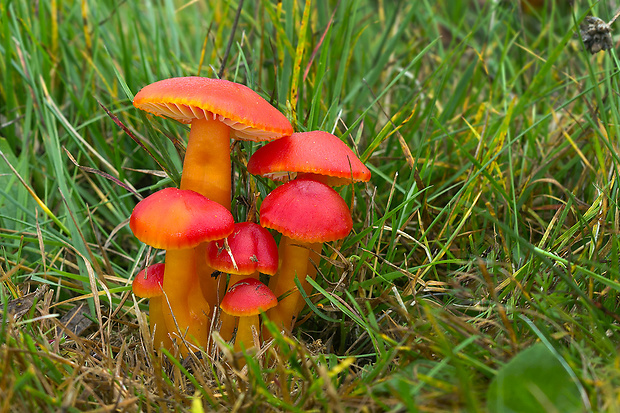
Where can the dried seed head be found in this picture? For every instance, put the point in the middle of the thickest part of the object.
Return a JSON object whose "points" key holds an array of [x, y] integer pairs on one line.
{"points": [[596, 34]]}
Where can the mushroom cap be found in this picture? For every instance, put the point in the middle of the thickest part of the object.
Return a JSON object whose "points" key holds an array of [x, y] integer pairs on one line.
{"points": [[306, 210], [187, 98], [179, 218], [248, 297], [148, 282], [316, 152], [253, 248]]}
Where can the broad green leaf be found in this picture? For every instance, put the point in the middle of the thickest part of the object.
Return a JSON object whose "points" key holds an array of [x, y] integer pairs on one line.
{"points": [[534, 381]]}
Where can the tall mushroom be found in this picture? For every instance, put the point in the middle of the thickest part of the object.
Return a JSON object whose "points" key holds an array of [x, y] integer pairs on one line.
{"points": [[178, 220], [254, 251], [148, 284], [217, 111], [307, 213]]}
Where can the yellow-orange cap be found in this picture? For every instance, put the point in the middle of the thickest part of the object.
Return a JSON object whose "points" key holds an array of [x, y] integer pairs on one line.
{"points": [[187, 98]]}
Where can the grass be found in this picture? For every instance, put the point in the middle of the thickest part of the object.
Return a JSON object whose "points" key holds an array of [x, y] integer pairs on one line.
{"points": [[490, 225]]}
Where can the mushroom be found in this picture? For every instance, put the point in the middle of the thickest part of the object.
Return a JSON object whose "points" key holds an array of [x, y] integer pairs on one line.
{"points": [[178, 220], [307, 213], [246, 299], [217, 111], [148, 284], [317, 155], [254, 251]]}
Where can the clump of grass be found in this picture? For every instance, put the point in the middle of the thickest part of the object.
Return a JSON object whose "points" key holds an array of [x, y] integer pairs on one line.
{"points": [[490, 223]]}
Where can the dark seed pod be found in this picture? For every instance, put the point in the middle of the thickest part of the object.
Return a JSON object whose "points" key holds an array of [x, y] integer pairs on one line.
{"points": [[596, 34]]}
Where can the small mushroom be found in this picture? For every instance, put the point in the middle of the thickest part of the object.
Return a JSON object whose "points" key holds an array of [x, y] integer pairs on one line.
{"points": [[246, 299], [254, 251]]}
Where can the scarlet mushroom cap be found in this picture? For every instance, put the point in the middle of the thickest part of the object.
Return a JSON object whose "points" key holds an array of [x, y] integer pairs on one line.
{"points": [[248, 297], [252, 247], [316, 153], [306, 210], [176, 219], [149, 281], [187, 98]]}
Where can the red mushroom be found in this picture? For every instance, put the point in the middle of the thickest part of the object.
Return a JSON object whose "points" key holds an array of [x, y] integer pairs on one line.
{"points": [[246, 299], [254, 250], [319, 155], [307, 213], [217, 111], [148, 284], [178, 220]]}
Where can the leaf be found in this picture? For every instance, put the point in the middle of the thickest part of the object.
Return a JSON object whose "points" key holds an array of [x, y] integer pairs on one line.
{"points": [[20, 306], [14, 197], [534, 381]]}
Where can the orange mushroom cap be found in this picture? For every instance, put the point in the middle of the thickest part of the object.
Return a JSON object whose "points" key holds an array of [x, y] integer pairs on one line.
{"points": [[252, 247], [306, 210], [148, 282], [248, 297], [316, 152], [176, 219], [187, 98]]}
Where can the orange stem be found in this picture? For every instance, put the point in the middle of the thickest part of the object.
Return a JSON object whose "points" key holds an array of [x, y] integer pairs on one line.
{"points": [[185, 302], [206, 170], [315, 257], [293, 261], [206, 167], [158, 324], [244, 332]]}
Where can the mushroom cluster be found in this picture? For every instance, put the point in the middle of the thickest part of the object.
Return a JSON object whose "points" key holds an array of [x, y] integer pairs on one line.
{"points": [[195, 227]]}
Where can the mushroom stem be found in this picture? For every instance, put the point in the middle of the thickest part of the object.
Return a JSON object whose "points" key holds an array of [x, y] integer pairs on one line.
{"points": [[294, 260], [186, 302], [208, 283], [206, 166], [229, 322], [158, 324], [313, 262], [244, 332], [206, 170]]}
